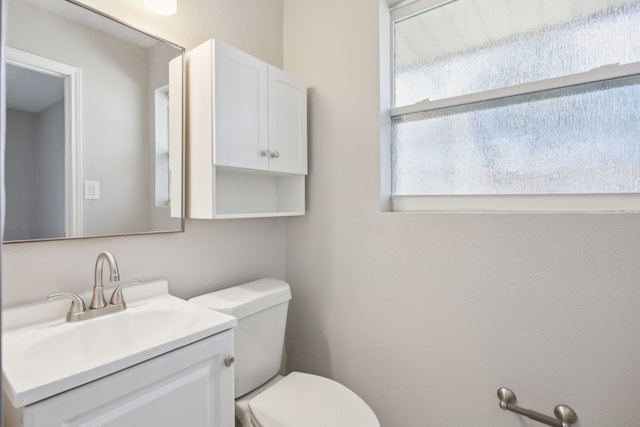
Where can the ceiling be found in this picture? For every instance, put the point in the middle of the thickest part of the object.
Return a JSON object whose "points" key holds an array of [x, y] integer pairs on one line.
{"points": [[93, 19], [32, 91]]}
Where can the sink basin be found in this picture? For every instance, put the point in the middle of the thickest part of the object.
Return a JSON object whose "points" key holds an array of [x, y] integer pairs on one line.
{"points": [[104, 337], [50, 356]]}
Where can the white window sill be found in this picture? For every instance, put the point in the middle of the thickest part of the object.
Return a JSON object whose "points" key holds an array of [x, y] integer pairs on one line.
{"points": [[518, 203]]}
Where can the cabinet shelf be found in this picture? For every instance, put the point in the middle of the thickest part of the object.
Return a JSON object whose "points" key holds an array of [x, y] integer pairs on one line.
{"points": [[257, 215], [248, 194]]}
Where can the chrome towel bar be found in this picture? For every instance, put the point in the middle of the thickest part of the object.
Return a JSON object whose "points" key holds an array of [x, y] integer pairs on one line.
{"points": [[565, 416]]}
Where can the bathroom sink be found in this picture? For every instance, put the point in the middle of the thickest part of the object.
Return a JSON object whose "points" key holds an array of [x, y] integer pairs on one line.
{"points": [[103, 338], [44, 355]]}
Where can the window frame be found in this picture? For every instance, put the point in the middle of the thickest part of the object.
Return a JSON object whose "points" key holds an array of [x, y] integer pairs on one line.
{"points": [[543, 203]]}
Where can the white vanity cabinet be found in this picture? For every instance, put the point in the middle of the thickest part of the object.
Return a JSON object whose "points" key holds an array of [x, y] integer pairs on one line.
{"points": [[189, 386], [247, 143]]}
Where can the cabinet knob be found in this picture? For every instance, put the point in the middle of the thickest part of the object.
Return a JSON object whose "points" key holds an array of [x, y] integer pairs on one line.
{"points": [[265, 153], [228, 361], [275, 155]]}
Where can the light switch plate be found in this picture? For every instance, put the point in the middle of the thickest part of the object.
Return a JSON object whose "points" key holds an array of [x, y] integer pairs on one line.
{"points": [[91, 190]]}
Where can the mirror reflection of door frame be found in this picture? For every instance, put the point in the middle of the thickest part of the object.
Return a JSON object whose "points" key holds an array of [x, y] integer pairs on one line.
{"points": [[72, 129]]}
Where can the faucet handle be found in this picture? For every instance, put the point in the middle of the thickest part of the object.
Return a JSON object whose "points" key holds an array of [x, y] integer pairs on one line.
{"points": [[77, 303], [116, 297]]}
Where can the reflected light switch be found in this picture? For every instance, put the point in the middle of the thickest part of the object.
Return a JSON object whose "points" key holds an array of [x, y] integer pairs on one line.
{"points": [[91, 190]]}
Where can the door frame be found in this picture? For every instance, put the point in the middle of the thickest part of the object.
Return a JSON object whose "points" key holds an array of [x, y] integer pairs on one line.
{"points": [[72, 128]]}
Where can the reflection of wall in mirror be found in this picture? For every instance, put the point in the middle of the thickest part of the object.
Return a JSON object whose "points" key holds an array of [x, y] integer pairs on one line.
{"points": [[114, 112], [35, 147]]}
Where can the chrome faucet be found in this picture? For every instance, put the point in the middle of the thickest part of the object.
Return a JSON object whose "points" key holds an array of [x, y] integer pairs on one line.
{"points": [[98, 307], [98, 300]]}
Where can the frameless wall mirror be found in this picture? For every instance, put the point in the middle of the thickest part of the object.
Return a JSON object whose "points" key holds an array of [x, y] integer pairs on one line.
{"points": [[94, 125]]}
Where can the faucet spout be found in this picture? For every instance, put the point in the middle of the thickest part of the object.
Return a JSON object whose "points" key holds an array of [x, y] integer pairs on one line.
{"points": [[98, 300]]}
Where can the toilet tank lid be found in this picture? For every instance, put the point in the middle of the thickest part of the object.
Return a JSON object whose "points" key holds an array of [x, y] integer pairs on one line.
{"points": [[246, 299]]}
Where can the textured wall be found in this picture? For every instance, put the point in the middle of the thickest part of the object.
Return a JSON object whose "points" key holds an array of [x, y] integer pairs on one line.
{"points": [[426, 315], [209, 254]]}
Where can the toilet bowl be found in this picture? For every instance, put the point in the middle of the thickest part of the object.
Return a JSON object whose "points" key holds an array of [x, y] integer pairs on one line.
{"points": [[264, 398]]}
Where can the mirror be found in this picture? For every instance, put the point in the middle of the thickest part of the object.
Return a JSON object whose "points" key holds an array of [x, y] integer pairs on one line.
{"points": [[94, 125]]}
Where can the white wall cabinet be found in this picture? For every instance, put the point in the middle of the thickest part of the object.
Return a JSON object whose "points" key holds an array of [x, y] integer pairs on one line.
{"points": [[190, 386], [247, 145]]}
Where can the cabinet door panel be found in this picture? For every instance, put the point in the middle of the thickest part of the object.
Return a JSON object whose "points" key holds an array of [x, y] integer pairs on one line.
{"points": [[240, 109], [189, 387], [287, 122]]}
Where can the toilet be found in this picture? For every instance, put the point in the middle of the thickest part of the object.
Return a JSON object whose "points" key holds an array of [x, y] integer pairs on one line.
{"points": [[264, 398]]}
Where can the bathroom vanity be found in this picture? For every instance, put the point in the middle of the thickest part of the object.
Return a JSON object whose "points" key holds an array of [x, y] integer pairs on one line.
{"points": [[160, 362]]}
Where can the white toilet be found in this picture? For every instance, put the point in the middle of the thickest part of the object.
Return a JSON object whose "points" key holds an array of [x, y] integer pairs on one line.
{"points": [[264, 398]]}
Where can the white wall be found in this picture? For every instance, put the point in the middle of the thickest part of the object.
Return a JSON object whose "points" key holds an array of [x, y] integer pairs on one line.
{"points": [[21, 187], [35, 149], [426, 315], [209, 255], [50, 164]]}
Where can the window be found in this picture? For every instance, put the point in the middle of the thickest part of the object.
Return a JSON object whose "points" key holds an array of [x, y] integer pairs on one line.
{"points": [[513, 98]]}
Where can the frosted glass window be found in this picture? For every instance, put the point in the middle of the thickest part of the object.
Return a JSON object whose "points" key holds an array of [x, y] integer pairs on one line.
{"points": [[581, 139], [475, 45], [513, 106]]}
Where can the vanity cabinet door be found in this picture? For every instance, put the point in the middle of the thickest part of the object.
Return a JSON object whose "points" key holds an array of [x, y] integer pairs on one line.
{"points": [[190, 386]]}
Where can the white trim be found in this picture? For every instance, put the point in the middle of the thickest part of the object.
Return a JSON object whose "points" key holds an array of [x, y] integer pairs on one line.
{"points": [[606, 72], [386, 71], [519, 203], [406, 9], [73, 129]]}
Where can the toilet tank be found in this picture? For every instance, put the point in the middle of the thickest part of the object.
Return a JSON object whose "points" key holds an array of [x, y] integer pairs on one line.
{"points": [[261, 309]]}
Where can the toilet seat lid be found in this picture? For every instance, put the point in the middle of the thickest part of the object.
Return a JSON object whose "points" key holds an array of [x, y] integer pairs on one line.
{"points": [[312, 401]]}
